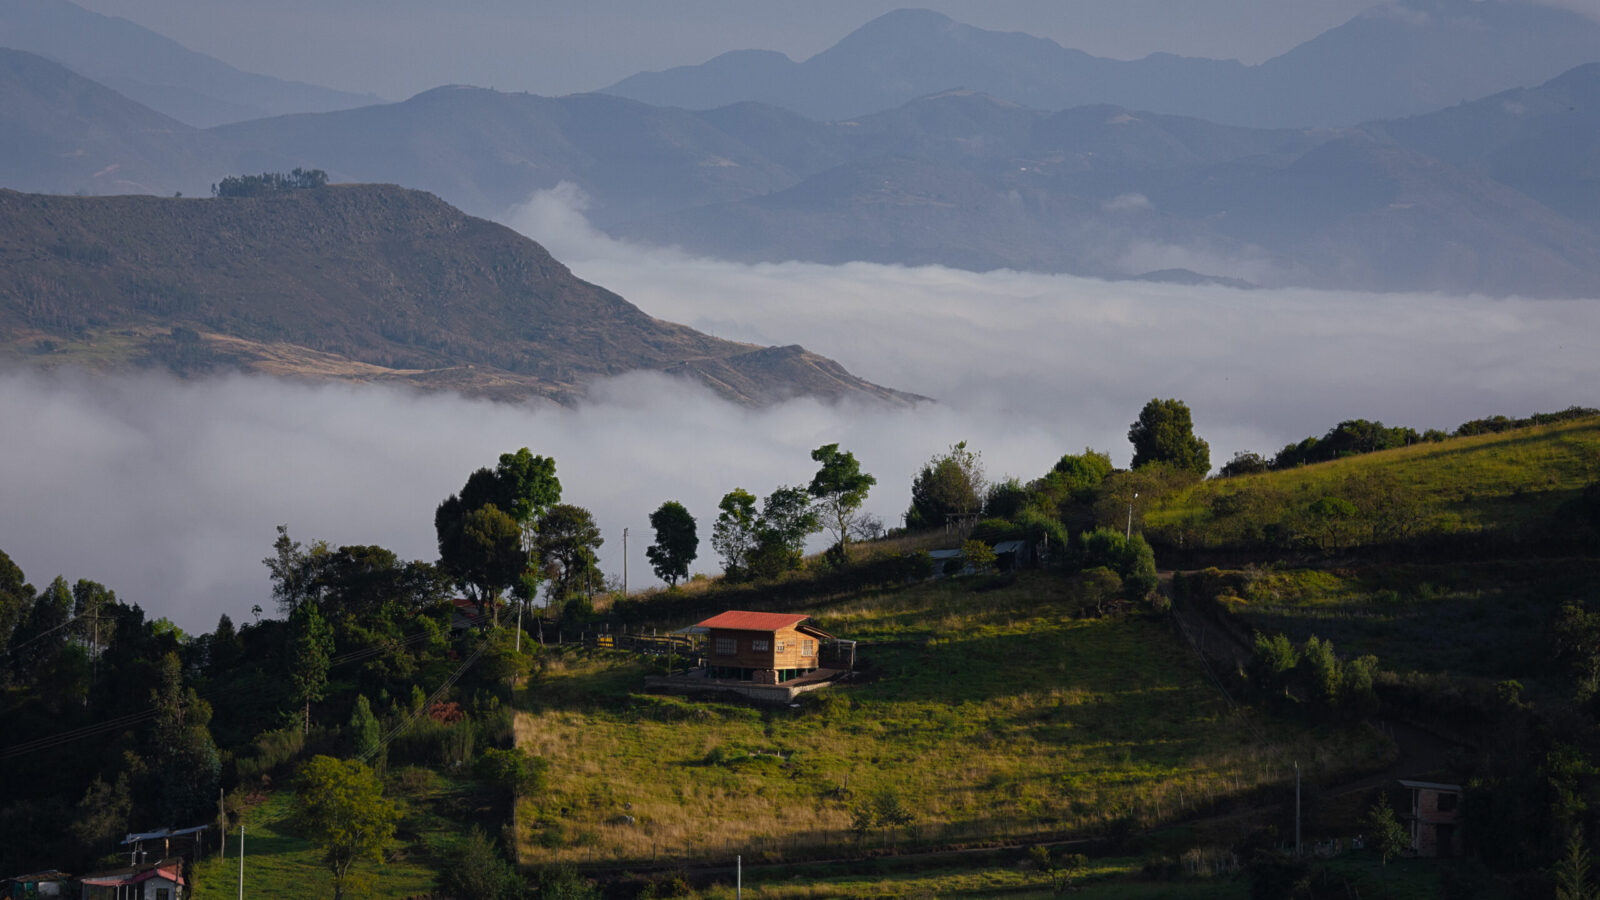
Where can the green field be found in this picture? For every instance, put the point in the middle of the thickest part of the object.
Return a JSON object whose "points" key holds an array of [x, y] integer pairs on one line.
{"points": [[279, 865], [990, 715], [1508, 483]]}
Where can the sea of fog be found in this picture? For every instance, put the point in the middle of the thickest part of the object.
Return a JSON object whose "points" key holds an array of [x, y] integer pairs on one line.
{"points": [[169, 492]]}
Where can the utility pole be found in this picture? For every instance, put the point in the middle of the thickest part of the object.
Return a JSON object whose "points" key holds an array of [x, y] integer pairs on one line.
{"points": [[624, 562], [1129, 535], [241, 861], [738, 878], [1297, 809]]}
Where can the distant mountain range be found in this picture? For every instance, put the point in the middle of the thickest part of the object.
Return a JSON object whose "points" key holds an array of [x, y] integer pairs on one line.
{"points": [[63, 133], [157, 71], [1397, 59], [1499, 195], [364, 283]]}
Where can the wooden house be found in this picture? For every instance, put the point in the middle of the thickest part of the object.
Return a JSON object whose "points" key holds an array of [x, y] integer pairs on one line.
{"points": [[766, 648], [1433, 816]]}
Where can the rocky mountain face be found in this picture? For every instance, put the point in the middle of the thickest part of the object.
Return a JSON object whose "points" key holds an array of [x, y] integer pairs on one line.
{"points": [[355, 282]]}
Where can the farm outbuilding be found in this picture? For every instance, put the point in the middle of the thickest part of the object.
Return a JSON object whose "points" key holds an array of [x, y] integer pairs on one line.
{"points": [[154, 881], [766, 648], [1433, 816]]}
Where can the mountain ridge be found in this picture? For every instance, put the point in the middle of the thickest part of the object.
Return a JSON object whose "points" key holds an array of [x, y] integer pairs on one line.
{"points": [[157, 71], [1436, 52], [395, 282]]}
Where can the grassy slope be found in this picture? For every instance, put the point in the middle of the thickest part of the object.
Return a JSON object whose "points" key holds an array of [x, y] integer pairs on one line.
{"points": [[1482, 617], [1491, 481], [1488, 619], [995, 716], [280, 865]]}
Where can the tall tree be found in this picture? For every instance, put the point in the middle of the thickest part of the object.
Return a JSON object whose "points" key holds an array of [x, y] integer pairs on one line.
{"points": [[226, 648], [1164, 433], [840, 488], [765, 543], [948, 484], [188, 767], [567, 543], [339, 805], [310, 656], [16, 598], [481, 548], [733, 535], [1571, 872], [528, 483], [472, 543], [1386, 834], [787, 519], [364, 729], [676, 542]]}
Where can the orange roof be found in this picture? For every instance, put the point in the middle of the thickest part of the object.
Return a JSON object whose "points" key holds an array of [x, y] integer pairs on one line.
{"points": [[739, 620]]}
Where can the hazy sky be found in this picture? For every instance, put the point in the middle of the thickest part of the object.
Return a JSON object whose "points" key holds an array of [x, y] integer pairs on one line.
{"points": [[396, 48], [168, 492]]}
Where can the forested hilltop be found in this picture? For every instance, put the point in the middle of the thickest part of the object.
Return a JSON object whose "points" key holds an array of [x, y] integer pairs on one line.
{"points": [[1029, 683], [285, 274]]}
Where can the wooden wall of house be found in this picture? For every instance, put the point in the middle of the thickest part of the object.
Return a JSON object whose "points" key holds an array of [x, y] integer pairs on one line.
{"points": [[792, 656]]}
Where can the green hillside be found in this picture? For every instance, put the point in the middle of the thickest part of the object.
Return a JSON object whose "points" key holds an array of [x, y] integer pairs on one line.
{"points": [[1508, 487], [993, 712], [1145, 708]]}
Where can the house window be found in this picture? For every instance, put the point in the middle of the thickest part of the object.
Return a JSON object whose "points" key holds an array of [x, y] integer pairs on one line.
{"points": [[727, 646], [779, 648], [163, 894], [808, 648], [760, 646], [1446, 802]]}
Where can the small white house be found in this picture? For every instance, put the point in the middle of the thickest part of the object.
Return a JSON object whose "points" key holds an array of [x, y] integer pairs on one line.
{"points": [[154, 881]]}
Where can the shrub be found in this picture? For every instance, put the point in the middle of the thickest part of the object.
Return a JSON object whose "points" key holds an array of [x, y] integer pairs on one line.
{"points": [[427, 741], [475, 869], [515, 770], [1094, 591], [273, 749], [563, 883]]}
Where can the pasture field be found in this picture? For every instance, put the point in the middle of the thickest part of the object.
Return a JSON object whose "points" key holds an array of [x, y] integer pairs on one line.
{"points": [[1514, 483], [988, 714], [280, 865]]}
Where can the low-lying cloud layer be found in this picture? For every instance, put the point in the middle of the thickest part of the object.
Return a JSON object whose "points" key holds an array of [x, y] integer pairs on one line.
{"points": [[169, 492]]}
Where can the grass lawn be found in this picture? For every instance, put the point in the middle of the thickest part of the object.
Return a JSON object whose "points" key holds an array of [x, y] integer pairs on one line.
{"points": [[279, 865], [1507, 481], [992, 716]]}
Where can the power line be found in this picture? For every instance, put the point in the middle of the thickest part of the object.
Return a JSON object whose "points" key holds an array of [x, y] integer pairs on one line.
{"points": [[75, 617], [432, 699]]}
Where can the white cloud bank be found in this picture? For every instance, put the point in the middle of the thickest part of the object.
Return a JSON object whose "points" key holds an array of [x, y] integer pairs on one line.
{"points": [[169, 492]]}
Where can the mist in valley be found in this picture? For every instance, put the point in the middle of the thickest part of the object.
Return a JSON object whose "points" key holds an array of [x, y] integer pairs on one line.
{"points": [[169, 491]]}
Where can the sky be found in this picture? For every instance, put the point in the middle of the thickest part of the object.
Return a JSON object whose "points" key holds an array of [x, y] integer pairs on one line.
{"points": [[397, 48], [169, 492]]}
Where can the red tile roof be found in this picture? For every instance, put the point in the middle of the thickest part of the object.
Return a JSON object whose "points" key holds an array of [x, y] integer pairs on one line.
{"points": [[740, 620]]}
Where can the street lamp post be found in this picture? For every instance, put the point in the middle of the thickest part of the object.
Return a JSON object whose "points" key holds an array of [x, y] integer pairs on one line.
{"points": [[1129, 535]]}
